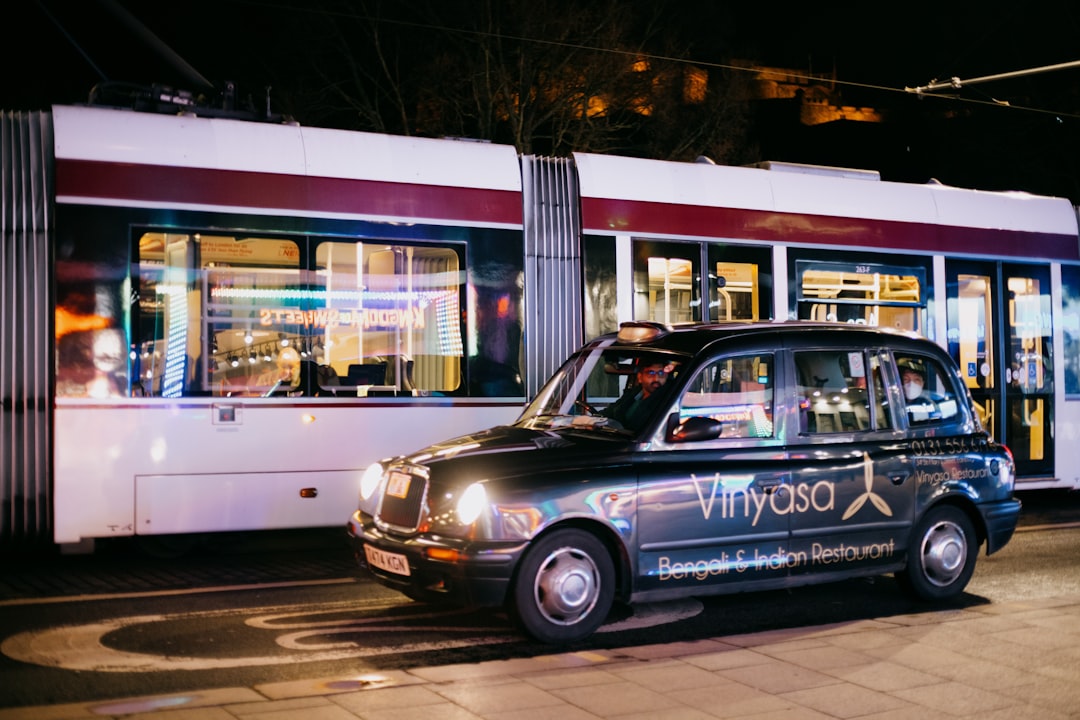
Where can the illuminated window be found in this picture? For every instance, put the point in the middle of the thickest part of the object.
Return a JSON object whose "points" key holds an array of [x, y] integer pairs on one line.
{"points": [[393, 315], [242, 316], [862, 294]]}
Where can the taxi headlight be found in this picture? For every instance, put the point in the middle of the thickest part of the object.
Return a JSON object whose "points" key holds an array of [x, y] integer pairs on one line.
{"points": [[369, 482], [471, 503]]}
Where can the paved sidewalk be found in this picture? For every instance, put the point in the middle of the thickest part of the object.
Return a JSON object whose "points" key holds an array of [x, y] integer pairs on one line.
{"points": [[1010, 662]]}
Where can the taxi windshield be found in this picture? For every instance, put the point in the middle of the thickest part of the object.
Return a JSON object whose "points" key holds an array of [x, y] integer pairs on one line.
{"points": [[605, 388]]}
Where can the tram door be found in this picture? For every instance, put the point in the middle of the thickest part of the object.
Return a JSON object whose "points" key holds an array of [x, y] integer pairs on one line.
{"points": [[1000, 334]]}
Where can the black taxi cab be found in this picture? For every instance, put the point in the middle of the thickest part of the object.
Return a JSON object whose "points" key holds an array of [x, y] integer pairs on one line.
{"points": [[662, 462]]}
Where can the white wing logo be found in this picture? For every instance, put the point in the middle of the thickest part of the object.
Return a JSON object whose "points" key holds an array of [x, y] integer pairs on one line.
{"points": [[875, 499]]}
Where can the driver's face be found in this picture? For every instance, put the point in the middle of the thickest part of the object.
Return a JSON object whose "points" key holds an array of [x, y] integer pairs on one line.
{"points": [[651, 378]]}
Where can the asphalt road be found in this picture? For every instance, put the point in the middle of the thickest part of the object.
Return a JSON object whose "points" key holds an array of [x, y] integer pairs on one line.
{"points": [[249, 609], [128, 565]]}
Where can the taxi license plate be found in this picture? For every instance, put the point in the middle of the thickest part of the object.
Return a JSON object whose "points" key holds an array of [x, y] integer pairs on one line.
{"points": [[390, 562]]}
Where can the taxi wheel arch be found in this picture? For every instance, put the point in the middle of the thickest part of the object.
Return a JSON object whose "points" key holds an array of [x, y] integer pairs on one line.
{"points": [[941, 554], [564, 586]]}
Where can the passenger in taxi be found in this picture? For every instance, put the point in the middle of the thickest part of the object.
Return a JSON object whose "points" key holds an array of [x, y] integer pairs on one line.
{"points": [[633, 408], [921, 406]]}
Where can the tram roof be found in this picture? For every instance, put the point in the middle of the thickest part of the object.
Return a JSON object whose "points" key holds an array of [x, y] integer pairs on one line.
{"points": [[834, 206]]}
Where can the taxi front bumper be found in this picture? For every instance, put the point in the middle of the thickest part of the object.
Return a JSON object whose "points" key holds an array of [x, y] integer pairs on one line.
{"points": [[447, 570]]}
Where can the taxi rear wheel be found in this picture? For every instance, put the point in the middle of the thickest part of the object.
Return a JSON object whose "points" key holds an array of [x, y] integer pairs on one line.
{"points": [[564, 587], [941, 556]]}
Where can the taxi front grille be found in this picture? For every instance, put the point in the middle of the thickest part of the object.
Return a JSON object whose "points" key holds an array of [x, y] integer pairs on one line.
{"points": [[402, 506]]}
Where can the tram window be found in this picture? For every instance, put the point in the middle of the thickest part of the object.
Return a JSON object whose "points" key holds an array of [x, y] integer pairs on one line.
{"points": [[239, 316], [1070, 325], [974, 312], [1028, 333], [739, 282], [862, 294], [667, 278], [600, 301], [197, 329], [392, 319], [201, 314]]}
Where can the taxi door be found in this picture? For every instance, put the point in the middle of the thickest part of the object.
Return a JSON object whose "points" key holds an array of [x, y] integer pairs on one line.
{"points": [[851, 471], [712, 504]]}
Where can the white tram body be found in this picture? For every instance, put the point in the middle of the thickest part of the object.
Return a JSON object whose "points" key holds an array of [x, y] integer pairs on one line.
{"points": [[154, 465], [426, 288]]}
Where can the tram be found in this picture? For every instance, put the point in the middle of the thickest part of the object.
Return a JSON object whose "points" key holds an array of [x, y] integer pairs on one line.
{"points": [[215, 325]]}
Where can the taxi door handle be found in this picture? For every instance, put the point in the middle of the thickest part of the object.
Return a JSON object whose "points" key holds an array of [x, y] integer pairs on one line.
{"points": [[899, 478], [769, 486]]}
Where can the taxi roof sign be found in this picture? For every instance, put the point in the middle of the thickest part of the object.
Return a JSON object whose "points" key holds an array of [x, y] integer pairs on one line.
{"points": [[641, 332]]}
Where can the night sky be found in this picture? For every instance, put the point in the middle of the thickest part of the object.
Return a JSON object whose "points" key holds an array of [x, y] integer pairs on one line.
{"points": [[55, 51]]}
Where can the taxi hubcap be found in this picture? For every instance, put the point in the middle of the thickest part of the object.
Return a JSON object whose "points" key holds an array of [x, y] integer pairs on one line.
{"points": [[944, 553], [566, 586]]}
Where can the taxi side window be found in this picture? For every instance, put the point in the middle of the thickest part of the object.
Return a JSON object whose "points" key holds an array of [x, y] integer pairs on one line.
{"points": [[737, 391], [833, 391], [928, 395]]}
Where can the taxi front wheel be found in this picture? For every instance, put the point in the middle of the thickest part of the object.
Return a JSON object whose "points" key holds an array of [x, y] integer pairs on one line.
{"points": [[941, 556], [564, 587]]}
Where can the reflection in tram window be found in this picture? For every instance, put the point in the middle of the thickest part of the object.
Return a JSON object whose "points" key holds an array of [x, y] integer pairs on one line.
{"points": [[600, 290], [239, 316], [394, 308]]}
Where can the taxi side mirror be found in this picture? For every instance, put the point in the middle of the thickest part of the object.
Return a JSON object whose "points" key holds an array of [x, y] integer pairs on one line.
{"points": [[695, 429]]}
